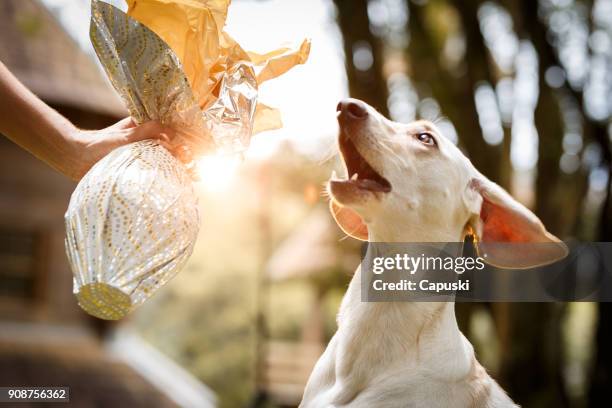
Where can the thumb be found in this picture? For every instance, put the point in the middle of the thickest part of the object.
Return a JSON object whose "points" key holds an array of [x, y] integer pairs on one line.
{"points": [[124, 123], [147, 130]]}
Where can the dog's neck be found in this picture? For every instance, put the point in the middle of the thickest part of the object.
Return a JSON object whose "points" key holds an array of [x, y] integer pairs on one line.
{"points": [[406, 335], [412, 231]]}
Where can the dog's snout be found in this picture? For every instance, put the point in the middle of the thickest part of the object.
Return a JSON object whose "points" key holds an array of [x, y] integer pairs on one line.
{"points": [[353, 108]]}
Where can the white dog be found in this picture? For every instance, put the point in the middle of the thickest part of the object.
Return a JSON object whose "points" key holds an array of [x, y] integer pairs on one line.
{"points": [[407, 183]]}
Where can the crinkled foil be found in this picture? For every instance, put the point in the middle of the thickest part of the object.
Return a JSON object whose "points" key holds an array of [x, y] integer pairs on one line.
{"points": [[133, 219], [211, 57], [171, 61], [130, 226], [149, 77]]}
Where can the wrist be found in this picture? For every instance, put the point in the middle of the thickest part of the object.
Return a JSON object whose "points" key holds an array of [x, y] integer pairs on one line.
{"points": [[75, 150]]}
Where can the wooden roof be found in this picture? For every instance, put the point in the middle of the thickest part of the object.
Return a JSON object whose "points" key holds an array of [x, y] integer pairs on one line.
{"points": [[37, 49]]}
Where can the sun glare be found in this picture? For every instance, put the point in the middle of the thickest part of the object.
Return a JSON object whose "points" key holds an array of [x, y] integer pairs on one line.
{"points": [[218, 172]]}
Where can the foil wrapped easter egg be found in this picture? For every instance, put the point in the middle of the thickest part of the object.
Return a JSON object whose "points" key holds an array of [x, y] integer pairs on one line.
{"points": [[130, 226], [133, 219]]}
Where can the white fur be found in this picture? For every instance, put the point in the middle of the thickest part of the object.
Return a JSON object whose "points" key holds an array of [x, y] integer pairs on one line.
{"points": [[405, 354]]}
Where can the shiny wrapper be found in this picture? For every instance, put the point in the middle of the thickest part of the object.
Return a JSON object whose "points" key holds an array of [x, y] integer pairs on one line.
{"points": [[221, 73], [133, 219], [130, 226]]}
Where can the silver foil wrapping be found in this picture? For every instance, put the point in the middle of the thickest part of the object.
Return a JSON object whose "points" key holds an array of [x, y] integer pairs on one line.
{"points": [[133, 219], [130, 226], [149, 77]]}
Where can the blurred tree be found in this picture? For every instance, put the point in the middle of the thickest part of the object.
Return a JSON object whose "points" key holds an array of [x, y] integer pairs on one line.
{"points": [[531, 356], [453, 87], [532, 361], [593, 131], [364, 54]]}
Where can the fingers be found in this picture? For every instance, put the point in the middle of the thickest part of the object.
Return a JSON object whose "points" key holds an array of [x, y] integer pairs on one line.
{"points": [[149, 130], [124, 123], [183, 153], [166, 138], [165, 142], [95, 144]]}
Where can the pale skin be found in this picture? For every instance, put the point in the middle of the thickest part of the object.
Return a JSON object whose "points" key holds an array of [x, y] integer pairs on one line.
{"points": [[49, 136]]}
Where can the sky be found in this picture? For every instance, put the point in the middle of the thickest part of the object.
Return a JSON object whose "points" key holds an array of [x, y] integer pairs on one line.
{"points": [[307, 95]]}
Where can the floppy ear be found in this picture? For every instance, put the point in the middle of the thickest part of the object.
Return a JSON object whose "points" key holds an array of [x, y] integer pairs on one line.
{"points": [[349, 221], [498, 219]]}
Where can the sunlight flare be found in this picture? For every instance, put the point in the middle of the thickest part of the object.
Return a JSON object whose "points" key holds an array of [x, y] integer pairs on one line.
{"points": [[217, 172]]}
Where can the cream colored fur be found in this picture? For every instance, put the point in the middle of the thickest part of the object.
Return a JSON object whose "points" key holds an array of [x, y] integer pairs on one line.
{"points": [[408, 354]]}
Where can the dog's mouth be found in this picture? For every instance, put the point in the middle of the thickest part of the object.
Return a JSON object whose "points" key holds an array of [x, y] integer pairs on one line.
{"points": [[360, 173]]}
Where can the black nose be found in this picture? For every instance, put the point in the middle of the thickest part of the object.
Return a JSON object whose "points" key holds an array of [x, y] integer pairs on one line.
{"points": [[353, 108]]}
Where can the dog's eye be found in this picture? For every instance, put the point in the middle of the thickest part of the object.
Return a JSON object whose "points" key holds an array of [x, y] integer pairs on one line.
{"points": [[426, 138]]}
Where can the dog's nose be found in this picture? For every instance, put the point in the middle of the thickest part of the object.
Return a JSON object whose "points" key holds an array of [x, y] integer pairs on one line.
{"points": [[353, 108]]}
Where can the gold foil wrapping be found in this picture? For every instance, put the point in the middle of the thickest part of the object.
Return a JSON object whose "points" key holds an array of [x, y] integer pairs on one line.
{"points": [[211, 58], [148, 76], [133, 219]]}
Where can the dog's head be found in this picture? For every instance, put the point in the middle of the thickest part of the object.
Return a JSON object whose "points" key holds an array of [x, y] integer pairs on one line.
{"points": [[408, 183]]}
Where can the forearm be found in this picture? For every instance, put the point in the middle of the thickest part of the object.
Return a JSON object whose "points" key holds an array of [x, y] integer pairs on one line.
{"points": [[35, 126]]}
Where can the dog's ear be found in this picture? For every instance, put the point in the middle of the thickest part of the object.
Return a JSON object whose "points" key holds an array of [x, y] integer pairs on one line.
{"points": [[498, 218], [349, 221]]}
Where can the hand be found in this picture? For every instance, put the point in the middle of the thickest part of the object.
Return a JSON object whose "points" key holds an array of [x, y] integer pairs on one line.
{"points": [[89, 146], [42, 131]]}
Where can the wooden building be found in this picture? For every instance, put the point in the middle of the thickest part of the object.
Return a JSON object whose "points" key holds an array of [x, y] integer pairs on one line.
{"points": [[45, 339]]}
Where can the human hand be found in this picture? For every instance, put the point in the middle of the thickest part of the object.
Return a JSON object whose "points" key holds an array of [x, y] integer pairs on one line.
{"points": [[89, 146]]}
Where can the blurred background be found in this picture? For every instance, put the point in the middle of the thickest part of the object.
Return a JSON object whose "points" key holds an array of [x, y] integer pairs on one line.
{"points": [[523, 87]]}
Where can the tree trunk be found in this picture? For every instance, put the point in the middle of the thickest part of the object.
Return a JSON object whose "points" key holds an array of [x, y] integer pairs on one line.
{"points": [[601, 375], [369, 84], [455, 91]]}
